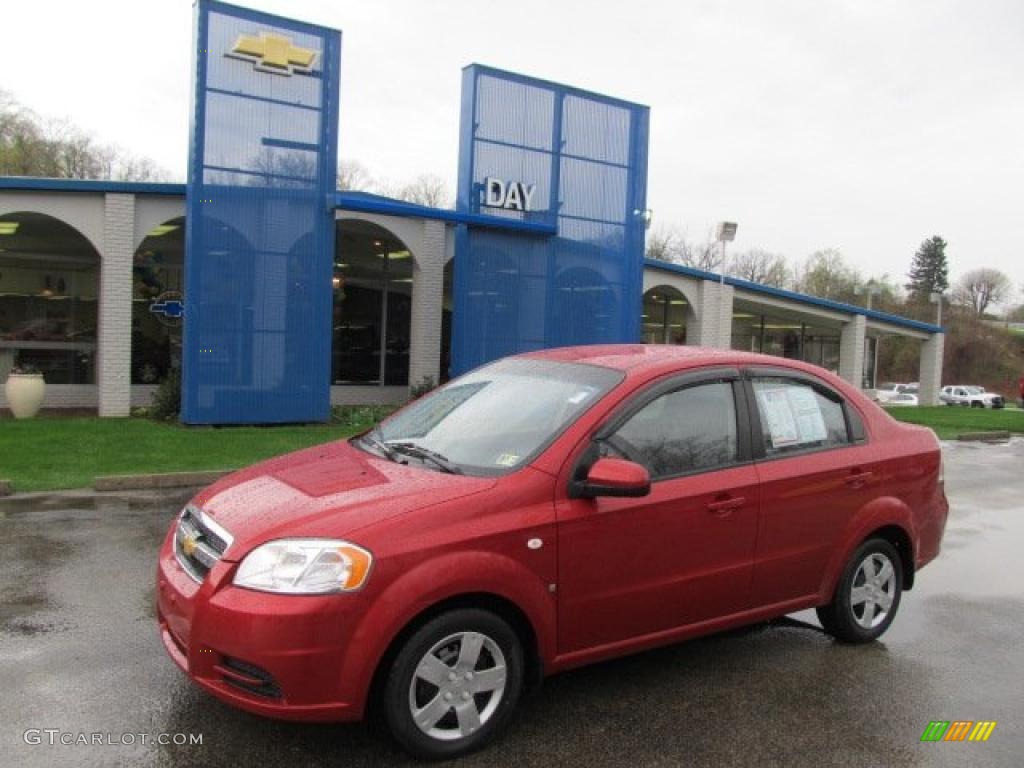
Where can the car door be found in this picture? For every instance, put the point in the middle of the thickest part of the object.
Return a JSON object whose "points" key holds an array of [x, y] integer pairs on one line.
{"points": [[816, 468], [630, 567]]}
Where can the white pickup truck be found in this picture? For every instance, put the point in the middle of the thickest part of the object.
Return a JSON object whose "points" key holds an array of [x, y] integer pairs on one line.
{"points": [[971, 396]]}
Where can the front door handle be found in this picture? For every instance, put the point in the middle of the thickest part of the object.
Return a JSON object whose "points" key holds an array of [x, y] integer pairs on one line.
{"points": [[858, 478], [724, 507]]}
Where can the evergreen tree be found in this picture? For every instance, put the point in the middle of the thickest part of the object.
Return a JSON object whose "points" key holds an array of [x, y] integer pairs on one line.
{"points": [[929, 271]]}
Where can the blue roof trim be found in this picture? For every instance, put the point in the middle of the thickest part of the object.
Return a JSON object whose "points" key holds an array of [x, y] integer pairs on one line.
{"points": [[802, 298], [91, 185], [365, 202]]}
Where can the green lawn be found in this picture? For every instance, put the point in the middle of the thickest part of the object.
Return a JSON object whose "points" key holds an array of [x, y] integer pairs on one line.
{"points": [[53, 453], [949, 422]]}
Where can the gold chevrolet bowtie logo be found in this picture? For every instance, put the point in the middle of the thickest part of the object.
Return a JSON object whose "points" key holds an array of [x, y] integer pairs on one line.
{"points": [[274, 53], [190, 545]]}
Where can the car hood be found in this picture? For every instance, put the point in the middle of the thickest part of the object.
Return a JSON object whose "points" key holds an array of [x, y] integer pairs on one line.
{"points": [[331, 490]]}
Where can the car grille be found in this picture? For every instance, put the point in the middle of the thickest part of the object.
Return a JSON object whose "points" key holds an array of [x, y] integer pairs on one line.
{"points": [[199, 543]]}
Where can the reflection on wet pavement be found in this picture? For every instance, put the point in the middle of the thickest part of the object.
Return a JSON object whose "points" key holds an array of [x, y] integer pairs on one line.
{"points": [[79, 652]]}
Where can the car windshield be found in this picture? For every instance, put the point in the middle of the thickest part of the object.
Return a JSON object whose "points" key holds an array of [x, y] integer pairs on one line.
{"points": [[496, 418]]}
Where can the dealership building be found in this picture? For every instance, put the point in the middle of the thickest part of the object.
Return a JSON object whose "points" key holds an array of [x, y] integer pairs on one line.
{"points": [[279, 295]]}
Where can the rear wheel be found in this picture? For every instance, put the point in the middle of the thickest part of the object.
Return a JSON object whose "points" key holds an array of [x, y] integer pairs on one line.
{"points": [[867, 596], [454, 684]]}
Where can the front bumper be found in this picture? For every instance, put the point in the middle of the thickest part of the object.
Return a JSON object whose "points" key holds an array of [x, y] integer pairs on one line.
{"points": [[280, 656]]}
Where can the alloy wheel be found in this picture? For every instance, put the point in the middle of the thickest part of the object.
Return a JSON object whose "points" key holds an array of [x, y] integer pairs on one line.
{"points": [[457, 686]]}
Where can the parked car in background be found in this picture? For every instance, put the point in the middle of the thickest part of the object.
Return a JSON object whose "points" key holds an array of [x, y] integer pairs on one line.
{"points": [[887, 391], [538, 514], [902, 399], [970, 396]]}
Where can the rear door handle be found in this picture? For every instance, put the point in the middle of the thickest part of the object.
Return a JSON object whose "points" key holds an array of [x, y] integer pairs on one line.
{"points": [[858, 479], [726, 506]]}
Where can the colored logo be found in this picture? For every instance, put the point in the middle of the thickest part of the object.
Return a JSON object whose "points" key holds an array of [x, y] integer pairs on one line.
{"points": [[958, 730], [189, 545], [169, 307], [274, 53]]}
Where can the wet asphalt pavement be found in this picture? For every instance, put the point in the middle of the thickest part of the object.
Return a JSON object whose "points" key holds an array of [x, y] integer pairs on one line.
{"points": [[79, 652]]}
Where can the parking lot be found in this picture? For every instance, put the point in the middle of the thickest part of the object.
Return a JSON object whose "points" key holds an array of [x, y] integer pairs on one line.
{"points": [[79, 652]]}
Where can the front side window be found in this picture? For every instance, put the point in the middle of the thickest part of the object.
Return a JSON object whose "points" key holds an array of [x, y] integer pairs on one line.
{"points": [[498, 417], [797, 416], [688, 430]]}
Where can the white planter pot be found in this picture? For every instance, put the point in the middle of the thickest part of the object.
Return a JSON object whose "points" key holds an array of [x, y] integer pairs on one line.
{"points": [[25, 393]]}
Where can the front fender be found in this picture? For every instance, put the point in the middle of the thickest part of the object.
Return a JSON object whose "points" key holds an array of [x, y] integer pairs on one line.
{"points": [[434, 581], [878, 513]]}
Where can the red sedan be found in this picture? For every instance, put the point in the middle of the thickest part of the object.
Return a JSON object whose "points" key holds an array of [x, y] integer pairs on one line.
{"points": [[541, 513]]}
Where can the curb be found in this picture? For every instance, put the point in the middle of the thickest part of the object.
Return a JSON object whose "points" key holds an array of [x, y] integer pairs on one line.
{"points": [[87, 498], [158, 481], [1001, 436]]}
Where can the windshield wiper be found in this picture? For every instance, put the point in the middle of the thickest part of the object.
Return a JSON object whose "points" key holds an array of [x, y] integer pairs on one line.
{"points": [[418, 451], [386, 450]]}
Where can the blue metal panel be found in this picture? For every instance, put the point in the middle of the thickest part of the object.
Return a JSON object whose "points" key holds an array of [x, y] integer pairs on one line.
{"points": [[260, 225], [585, 157]]}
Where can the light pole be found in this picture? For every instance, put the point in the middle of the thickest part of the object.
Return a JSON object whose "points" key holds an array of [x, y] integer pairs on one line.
{"points": [[725, 233], [936, 297], [871, 289]]}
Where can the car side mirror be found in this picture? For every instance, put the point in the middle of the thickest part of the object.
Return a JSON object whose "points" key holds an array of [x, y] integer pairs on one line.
{"points": [[615, 477]]}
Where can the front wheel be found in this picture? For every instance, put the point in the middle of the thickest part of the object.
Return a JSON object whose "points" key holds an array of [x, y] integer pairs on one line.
{"points": [[454, 684], [867, 596]]}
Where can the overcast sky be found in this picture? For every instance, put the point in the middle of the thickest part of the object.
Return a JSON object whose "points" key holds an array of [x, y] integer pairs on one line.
{"points": [[861, 125]]}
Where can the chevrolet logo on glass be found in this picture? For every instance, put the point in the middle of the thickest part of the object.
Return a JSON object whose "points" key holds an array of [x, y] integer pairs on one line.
{"points": [[274, 53]]}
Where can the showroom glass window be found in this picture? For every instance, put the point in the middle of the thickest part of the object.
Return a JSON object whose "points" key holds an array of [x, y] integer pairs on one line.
{"points": [[689, 430], [48, 299], [158, 278], [372, 286]]}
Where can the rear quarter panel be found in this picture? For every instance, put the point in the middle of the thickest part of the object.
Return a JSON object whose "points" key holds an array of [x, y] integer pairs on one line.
{"points": [[910, 495]]}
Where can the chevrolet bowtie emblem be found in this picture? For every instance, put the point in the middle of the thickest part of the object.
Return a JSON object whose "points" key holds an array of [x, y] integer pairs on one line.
{"points": [[190, 545], [273, 53]]}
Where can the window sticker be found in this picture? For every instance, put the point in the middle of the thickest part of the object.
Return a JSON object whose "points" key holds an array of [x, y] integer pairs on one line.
{"points": [[793, 415], [810, 424], [781, 424], [507, 460]]}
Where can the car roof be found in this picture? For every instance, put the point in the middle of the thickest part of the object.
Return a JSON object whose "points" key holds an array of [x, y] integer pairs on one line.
{"points": [[653, 358]]}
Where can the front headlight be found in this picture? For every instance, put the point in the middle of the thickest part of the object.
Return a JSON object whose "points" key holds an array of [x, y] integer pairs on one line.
{"points": [[305, 567]]}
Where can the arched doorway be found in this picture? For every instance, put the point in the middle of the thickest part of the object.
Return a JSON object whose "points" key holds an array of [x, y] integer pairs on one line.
{"points": [[666, 313], [48, 298], [158, 286], [372, 317]]}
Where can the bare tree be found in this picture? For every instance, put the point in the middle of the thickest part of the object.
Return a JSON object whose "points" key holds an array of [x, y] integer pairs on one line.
{"points": [[826, 274], [979, 289], [760, 266], [426, 189], [33, 146], [353, 175], [664, 243], [670, 243]]}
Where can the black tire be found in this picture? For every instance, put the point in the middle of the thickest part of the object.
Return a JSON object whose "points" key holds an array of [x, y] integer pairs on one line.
{"points": [[976, 404], [398, 692], [841, 617]]}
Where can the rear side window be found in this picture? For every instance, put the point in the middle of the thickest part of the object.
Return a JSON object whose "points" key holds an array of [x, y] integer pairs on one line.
{"points": [[688, 430], [796, 416]]}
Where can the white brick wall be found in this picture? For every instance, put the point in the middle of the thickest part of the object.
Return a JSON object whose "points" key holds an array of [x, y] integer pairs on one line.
{"points": [[115, 310], [931, 369], [851, 350], [427, 298], [714, 316]]}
